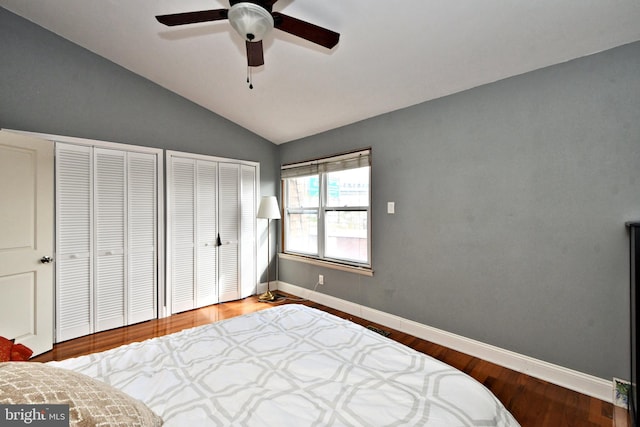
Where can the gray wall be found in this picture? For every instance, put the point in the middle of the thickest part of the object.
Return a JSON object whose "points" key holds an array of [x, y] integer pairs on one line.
{"points": [[50, 85], [511, 200]]}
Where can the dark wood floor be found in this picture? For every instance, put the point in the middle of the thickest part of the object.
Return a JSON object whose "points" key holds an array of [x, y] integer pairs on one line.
{"points": [[533, 402]]}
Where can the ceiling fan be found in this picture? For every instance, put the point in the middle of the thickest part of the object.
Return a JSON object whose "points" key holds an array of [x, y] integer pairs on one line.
{"points": [[253, 19]]}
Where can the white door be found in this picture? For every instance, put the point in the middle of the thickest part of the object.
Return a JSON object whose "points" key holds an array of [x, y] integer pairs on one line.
{"points": [[110, 230], [26, 239], [212, 228], [206, 233], [107, 225], [194, 247], [74, 250], [181, 188], [248, 274], [142, 237], [229, 213]]}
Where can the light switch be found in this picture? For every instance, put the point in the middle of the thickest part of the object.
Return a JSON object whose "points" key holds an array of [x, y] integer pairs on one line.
{"points": [[391, 207]]}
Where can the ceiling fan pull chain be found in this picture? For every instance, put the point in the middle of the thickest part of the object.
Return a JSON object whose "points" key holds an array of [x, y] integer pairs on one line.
{"points": [[249, 78]]}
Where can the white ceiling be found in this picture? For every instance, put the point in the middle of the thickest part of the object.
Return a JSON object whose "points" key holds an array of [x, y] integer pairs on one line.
{"points": [[391, 54]]}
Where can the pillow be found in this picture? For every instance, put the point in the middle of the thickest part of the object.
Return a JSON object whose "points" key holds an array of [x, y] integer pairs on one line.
{"points": [[13, 352], [20, 353], [91, 402], [5, 349]]}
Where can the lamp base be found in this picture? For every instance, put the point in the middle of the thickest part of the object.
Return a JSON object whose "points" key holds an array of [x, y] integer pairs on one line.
{"points": [[267, 296]]}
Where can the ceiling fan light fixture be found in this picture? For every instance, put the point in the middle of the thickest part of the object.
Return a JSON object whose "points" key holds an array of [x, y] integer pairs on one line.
{"points": [[251, 21]]}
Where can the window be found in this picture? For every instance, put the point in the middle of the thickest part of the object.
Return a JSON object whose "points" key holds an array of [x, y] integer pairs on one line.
{"points": [[327, 207]]}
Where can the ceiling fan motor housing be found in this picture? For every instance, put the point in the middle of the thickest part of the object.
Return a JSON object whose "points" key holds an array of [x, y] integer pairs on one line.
{"points": [[251, 20]]}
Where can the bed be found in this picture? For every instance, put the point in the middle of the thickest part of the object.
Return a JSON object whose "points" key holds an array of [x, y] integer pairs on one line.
{"points": [[291, 365]]}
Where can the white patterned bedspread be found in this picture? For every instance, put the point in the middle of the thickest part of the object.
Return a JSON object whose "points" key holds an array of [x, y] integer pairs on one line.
{"points": [[292, 365]]}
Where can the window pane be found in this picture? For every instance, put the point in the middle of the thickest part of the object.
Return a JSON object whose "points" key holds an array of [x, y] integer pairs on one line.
{"points": [[348, 187], [303, 192], [346, 235], [302, 233]]}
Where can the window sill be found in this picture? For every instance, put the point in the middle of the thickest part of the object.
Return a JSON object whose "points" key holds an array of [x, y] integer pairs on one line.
{"points": [[328, 264]]}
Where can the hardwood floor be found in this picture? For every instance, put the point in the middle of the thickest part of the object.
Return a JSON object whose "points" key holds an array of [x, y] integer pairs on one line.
{"points": [[533, 402]]}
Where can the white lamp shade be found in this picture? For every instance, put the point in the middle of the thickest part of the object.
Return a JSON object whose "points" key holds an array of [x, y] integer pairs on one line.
{"points": [[269, 208], [251, 21]]}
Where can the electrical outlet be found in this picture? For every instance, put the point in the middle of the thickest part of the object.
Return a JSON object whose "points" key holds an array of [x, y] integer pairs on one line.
{"points": [[320, 279]]}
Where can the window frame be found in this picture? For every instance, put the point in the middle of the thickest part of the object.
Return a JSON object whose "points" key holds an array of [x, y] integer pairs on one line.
{"points": [[318, 167]]}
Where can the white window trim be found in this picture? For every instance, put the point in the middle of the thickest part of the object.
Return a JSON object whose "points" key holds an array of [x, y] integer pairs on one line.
{"points": [[344, 265], [365, 271]]}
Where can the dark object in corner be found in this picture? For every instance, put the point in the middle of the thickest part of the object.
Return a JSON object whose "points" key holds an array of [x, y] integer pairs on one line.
{"points": [[634, 261], [276, 298], [378, 330]]}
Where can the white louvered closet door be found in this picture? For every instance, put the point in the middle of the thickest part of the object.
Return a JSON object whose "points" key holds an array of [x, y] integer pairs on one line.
{"points": [[106, 239], [142, 227], [212, 229], [110, 231], [206, 233], [182, 205], [74, 252], [229, 224], [248, 234]]}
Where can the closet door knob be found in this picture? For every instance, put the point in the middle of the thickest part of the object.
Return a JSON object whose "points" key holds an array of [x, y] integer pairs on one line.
{"points": [[46, 260]]}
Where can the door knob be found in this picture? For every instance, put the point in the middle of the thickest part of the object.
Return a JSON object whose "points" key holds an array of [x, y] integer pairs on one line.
{"points": [[46, 260]]}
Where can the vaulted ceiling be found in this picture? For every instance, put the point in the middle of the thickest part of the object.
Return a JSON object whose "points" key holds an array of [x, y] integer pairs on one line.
{"points": [[391, 55]]}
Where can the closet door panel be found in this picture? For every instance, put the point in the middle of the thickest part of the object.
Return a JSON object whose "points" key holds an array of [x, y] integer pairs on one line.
{"points": [[142, 237], [182, 203], [109, 297], [110, 229], [248, 275], [74, 311], [207, 233], [229, 212], [74, 302], [142, 295]]}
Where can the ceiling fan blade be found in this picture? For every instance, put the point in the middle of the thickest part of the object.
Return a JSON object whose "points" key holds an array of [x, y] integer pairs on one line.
{"points": [[306, 30], [255, 56], [269, 3], [193, 17]]}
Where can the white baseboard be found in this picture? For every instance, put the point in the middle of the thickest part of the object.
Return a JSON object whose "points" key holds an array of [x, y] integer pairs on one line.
{"points": [[564, 377]]}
